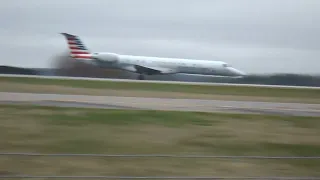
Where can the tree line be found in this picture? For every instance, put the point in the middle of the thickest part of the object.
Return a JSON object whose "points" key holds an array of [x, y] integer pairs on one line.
{"points": [[63, 65], [67, 66]]}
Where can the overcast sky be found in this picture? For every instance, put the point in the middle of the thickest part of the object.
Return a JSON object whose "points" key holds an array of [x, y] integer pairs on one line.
{"points": [[256, 36]]}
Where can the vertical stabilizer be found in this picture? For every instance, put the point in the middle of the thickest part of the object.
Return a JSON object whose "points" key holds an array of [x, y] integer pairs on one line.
{"points": [[77, 48]]}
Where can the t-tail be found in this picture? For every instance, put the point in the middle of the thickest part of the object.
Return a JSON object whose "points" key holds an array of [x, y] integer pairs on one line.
{"points": [[77, 48]]}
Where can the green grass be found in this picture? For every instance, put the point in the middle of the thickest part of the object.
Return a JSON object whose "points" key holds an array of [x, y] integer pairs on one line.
{"points": [[71, 130], [152, 89]]}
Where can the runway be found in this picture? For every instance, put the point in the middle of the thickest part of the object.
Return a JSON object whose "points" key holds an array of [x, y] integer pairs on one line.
{"points": [[116, 102]]}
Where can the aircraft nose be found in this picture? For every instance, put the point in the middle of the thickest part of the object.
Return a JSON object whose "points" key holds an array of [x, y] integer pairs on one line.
{"points": [[236, 72]]}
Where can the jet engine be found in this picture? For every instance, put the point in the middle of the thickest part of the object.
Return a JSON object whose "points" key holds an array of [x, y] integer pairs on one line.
{"points": [[107, 57]]}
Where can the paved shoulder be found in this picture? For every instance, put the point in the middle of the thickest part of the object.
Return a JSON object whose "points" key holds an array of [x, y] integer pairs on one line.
{"points": [[163, 103]]}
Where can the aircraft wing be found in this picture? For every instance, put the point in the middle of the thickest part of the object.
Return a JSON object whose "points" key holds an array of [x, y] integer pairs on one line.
{"points": [[153, 70]]}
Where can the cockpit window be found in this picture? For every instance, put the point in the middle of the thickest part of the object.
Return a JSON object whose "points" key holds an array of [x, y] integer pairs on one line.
{"points": [[225, 65]]}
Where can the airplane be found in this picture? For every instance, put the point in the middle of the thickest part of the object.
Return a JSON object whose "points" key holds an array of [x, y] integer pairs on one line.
{"points": [[144, 65]]}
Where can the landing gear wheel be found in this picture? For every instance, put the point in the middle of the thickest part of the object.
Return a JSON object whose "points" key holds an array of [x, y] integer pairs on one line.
{"points": [[141, 77]]}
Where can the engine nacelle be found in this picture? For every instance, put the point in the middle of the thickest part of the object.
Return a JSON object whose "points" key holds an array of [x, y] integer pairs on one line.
{"points": [[107, 57]]}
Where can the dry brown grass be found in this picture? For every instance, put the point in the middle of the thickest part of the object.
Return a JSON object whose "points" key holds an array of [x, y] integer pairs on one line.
{"points": [[55, 130]]}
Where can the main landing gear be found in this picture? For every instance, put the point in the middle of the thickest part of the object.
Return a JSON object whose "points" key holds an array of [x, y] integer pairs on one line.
{"points": [[141, 77]]}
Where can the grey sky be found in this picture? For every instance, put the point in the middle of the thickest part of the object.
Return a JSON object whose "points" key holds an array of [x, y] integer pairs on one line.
{"points": [[256, 36]]}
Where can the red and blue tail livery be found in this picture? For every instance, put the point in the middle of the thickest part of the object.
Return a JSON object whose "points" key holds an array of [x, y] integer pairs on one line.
{"points": [[77, 48]]}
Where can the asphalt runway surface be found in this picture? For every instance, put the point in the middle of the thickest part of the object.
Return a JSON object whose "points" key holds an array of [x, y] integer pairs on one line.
{"points": [[116, 102]]}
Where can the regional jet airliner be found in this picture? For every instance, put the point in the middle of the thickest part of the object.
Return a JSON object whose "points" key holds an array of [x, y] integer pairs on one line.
{"points": [[144, 65]]}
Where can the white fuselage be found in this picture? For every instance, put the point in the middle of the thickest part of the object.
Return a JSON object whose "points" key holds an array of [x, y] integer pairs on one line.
{"points": [[165, 65], [148, 65]]}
